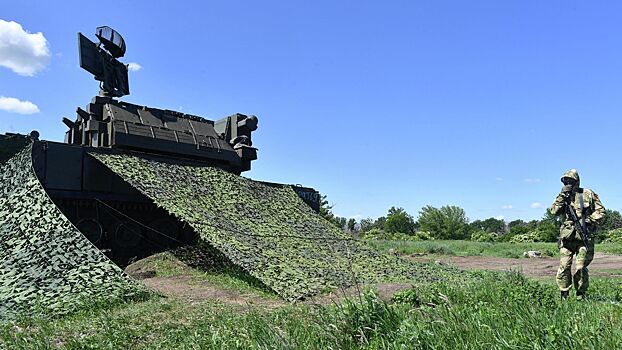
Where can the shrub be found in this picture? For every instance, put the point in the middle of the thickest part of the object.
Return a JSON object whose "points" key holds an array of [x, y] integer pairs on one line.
{"points": [[483, 236], [377, 234], [613, 236], [399, 221], [525, 237], [447, 222], [424, 236]]}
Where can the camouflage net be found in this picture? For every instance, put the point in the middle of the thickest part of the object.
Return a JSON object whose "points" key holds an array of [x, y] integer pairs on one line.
{"points": [[46, 264], [267, 230]]}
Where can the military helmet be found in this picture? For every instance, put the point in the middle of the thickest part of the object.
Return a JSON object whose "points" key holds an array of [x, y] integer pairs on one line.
{"points": [[571, 174]]}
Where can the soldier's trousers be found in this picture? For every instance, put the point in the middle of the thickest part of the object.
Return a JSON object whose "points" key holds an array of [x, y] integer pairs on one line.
{"points": [[580, 280]]}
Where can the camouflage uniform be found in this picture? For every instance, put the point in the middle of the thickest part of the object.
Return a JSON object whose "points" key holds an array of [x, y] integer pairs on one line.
{"points": [[570, 242]]}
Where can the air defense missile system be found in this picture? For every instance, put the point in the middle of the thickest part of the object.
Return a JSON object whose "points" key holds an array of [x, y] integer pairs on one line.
{"points": [[85, 190], [132, 180]]}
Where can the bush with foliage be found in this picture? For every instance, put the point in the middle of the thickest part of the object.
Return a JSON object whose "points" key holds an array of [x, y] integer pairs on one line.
{"points": [[483, 236], [398, 220], [547, 229], [524, 237], [490, 225], [377, 234], [424, 236], [613, 236], [447, 222], [326, 213]]}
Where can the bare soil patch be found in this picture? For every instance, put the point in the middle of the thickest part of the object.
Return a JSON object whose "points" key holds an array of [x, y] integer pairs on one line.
{"points": [[173, 278], [602, 265], [192, 291]]}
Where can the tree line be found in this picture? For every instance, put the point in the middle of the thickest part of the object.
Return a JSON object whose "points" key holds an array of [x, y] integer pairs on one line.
{"points": [[451, 222]]}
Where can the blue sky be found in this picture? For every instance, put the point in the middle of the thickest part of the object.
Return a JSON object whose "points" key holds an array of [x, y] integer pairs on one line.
{"points": [[480, 104]]}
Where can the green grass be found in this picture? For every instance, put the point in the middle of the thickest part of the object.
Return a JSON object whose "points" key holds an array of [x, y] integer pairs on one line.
{"points": [[471, 248], [610, 248], [468, 310], [488, 310]]}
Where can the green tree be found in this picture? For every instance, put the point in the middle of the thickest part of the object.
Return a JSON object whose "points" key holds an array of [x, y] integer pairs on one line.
{"points": [[326, 213], [490, 225], [448, 222], [399, 221], [613, 220], [547, 229], [379, 223], [366, 225], [342, 222], [515, 223], [518, 227], [351, 224]]}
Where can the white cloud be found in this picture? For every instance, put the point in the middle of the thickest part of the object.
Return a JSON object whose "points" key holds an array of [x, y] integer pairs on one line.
{"points": [[507, 206], [536, 205], [11, 104], [499, 178], [499, 217], [22, 52], [133, 66], [532, 181]]}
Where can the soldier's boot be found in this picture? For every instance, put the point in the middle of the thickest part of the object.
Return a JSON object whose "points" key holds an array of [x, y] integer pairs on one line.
{"points": [[564, 294]]}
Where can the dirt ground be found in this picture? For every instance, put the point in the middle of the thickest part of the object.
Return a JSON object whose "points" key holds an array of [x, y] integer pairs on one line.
{"points": [[602, 265], [189, 290]]}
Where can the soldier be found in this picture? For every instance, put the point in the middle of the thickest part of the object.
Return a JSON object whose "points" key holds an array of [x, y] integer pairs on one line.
{"points": [[589, 212]]}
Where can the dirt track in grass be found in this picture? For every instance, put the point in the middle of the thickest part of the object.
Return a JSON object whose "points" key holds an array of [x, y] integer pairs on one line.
{"points": [[602, 265]]}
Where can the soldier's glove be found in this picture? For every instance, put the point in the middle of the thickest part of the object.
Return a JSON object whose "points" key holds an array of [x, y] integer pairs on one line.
{"points": [[566, 190]]}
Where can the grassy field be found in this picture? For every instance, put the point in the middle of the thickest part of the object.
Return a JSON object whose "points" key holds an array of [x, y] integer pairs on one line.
{"points": [[487, 310], [466, 310], [471, 248]]}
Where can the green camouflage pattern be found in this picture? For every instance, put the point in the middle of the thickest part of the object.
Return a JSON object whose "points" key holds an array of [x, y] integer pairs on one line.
{"points": [[570, 242], [46, 264], [593, 207], [573, 174], [267, 230], [580, 280]]}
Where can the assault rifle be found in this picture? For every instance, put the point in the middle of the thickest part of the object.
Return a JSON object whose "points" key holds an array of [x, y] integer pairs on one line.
{"points": [[579, 225]]}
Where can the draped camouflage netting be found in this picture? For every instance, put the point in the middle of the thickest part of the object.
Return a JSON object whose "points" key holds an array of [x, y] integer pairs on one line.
{"points": [[46, 264], [267, 230]]}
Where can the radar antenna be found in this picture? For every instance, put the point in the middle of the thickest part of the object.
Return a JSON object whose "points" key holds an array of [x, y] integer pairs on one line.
{"points": [[102, 61]]}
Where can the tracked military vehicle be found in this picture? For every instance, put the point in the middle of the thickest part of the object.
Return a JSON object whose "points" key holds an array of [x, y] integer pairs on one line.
{"points": [[113, 215], [132, 180]]}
